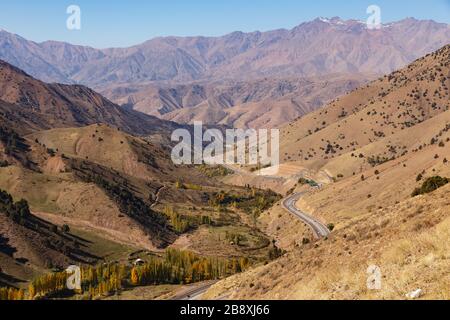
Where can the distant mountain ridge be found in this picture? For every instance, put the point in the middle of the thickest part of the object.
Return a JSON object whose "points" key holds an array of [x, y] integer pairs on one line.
{"points": [[267, 102], [29, 104], [313, 48]]}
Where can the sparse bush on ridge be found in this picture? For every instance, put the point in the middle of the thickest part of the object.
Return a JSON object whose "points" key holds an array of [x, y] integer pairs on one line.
{"points": [[377, 160], [252, 204], [214, 171], [4, 163], [303, 181], [15, 210], [430, 185]]}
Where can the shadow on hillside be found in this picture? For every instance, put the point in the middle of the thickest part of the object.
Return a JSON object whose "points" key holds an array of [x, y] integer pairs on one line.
{"points": [[5, 247], [9, 281]]}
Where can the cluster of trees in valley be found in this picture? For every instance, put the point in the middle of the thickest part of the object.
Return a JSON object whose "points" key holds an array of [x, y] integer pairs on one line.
{"points": [[173, 267], [184, 267], [18, 211], [182, 223], [253, 203], [15, 147]]}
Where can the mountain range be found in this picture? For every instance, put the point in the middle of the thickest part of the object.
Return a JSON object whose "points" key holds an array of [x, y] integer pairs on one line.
{"points": [[319, 47], [258, 103], [364, 152], [240, 79], [30, 104]]}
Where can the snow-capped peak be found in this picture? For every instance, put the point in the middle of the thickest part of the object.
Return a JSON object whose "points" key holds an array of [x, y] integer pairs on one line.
{"points": [[334, 20], [326, 20]]}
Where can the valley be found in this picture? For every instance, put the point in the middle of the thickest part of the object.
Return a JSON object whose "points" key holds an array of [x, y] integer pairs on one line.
{"points": [[377, 199], [243, 80], [87, 178], [118, 196]]}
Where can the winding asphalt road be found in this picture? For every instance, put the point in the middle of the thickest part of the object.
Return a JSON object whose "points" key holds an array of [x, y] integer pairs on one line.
{"points": [[194, 292], [319, 229]]}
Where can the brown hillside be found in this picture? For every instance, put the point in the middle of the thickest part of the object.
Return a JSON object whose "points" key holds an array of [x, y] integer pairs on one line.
{"points": [[60, 105], [103, 181], [378, 144], [383, 108], [408, 241], [265, 102]]}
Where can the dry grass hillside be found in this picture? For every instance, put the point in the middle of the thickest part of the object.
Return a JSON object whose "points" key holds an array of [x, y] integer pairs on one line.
{"points": [[376, 150], [385, 184], [123, 194], [408, 241], [47, 106], [31, 245], [106, 145], [76, 201], [378, 144], [378, 111]]}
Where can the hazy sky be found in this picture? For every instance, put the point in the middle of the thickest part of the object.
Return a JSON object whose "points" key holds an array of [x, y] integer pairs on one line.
{"points": [[119, 23]]}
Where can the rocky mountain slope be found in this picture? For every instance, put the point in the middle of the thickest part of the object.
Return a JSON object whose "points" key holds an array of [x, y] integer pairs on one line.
{"points": [[259, 79], [379, 152], [318, 47], [259, 103], [94, 192], [47, 106], [381, 111]]}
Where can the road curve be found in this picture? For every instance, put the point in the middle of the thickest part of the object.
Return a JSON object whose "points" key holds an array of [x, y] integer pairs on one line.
{"points": [[319, 229], [158, 195], [194, 292]]}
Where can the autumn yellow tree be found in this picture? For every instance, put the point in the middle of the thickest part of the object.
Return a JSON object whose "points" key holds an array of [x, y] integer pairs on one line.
{"points": [[20, 294], [134, 277], [31, 291]]}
